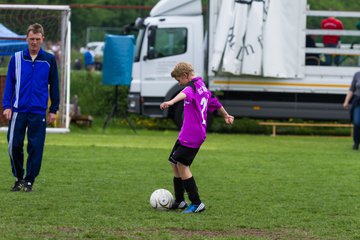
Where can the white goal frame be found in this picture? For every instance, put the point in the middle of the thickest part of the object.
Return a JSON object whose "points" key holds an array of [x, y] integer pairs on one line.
{"points": [[64, 65]]}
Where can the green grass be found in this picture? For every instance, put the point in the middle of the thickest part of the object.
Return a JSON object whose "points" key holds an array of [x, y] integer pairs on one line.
{"points": [[96, 185]]}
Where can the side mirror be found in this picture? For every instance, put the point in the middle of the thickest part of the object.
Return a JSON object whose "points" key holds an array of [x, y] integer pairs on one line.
{"points": [[139, 23], [151, 52]]}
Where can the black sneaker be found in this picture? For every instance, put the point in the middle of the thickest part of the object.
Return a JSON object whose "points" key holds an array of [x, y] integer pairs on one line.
{"points": [[179, 205], [27, 187], [356, 146], [19, 184]]}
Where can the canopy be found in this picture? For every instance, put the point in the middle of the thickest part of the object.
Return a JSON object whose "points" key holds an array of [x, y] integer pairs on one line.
{"points": [[260, 37], [10, 42]]}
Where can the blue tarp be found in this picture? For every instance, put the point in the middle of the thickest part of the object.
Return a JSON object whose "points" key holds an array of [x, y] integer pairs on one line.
{"points": [[10, 42], [118, 59]]}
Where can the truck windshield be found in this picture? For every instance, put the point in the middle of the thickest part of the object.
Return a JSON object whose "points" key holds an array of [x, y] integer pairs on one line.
{"points": [[168, 42]]}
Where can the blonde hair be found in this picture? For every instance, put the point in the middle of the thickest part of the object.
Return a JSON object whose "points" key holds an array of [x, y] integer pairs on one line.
{"points": [[182, 68], [35, 28]]}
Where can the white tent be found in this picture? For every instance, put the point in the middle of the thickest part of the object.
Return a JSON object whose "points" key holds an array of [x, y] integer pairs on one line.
{"points": [[222, 29], [284, 50], [234, 51], [260, 37], [10, 42], [253, 49]]}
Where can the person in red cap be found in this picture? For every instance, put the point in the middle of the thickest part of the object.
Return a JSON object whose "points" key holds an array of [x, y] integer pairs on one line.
{"points": [[331, 41]]}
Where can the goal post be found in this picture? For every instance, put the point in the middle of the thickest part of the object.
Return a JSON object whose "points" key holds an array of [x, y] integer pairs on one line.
{"points": [[14, 20]]}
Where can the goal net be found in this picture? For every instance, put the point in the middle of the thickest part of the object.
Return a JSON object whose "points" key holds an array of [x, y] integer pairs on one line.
{"points": [[14, 20]]}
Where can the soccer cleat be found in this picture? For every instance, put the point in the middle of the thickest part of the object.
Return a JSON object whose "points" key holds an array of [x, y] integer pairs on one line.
{"points": [[179, 205], [27, 187], [17, 186], [356, 146], [193, 208]]}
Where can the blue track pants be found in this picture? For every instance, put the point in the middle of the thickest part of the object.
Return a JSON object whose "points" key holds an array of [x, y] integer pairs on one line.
{"points": [[35, 124]]}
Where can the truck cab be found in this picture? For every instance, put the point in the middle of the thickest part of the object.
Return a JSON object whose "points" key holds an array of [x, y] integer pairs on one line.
{"points": [[173, 32]]}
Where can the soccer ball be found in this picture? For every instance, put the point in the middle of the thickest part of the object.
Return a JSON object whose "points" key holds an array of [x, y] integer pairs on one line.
{"points": [[161, 199]]}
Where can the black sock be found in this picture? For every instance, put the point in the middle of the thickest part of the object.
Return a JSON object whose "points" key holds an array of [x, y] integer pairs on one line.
{"points": [[178, 189], [192, 190]]}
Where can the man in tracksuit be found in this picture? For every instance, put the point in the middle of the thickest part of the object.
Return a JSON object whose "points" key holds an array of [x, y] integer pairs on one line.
{"points": [[25, 102]]}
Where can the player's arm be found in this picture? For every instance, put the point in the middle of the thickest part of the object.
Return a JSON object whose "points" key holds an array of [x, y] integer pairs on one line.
{"points": [[214, 104], [54, 87], [9, 89], [341, 25], [227, 117], [350, 93], [181, 96], [54, 92], [347, 99]]}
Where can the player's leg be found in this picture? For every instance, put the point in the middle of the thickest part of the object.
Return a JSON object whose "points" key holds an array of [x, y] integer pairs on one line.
{"points": [[185, 157], [15, 136], [191, 189], [36, 139], [179, 190], [356, 131]]}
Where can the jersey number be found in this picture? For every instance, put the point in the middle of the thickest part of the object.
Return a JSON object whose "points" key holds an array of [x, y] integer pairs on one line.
{"points": [[203, 103]]}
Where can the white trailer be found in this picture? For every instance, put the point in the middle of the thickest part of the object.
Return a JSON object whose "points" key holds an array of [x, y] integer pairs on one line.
{"points": [[252, 55]]}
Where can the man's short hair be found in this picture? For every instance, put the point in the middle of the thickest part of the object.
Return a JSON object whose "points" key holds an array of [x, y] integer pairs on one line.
{"points": [[35, 28], [181, 68]]}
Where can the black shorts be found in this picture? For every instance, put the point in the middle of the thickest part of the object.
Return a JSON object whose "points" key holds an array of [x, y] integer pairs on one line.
{"points": [[182, 154]]}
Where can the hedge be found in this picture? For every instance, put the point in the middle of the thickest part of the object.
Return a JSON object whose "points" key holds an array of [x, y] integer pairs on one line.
{"points": [[96, 99]]}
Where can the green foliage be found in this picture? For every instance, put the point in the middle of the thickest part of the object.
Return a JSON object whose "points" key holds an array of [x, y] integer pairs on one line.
{"points": [[97, 100], [82, 18], [241, 125], [334, 5], [98, 17], [93, 97], [96, 185]]}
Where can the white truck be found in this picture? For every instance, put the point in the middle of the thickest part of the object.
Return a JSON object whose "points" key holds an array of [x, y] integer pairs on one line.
{"points": [[252, 56]]}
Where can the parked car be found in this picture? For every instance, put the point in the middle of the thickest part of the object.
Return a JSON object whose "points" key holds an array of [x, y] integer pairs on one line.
{"points": [[96, 47]]}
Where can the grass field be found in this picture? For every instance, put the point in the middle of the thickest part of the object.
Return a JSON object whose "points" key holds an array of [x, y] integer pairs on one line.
{"points": [[96, 185]]}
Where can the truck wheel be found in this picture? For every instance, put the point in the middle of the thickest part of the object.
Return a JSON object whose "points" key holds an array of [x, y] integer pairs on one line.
{"points": [[179, 116], [209, 120]]}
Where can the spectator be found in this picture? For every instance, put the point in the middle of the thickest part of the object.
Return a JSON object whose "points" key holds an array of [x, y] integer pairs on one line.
{"points": [[331, 41], [77, 64], [25, 105], [89, 60], [98, 65], [353, 95], [311, 58]]}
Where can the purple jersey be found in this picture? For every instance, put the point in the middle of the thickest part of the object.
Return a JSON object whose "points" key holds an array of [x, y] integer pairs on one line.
{"points": [[196, 105]]}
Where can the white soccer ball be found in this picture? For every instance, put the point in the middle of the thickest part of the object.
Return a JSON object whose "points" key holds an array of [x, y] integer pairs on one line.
{"points": [[161, 199]]}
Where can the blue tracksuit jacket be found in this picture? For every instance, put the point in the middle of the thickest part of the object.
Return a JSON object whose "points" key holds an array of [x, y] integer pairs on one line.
{"points": [[27, 83]]}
